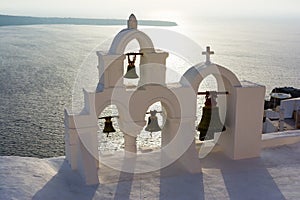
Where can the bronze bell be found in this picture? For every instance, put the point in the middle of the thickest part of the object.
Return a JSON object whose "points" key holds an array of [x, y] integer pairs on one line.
{"points": [[108, 126], [152, 125], [131, 73], [210, 121]]}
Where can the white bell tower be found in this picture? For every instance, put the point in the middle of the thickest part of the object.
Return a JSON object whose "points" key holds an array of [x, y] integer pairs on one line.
{"points": [[244, 111]]}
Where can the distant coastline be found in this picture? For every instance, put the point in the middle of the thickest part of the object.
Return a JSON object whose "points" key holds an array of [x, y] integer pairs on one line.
{"points": [[10, 20]]}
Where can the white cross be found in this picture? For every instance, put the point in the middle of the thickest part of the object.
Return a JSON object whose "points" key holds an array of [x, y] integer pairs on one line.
{"points": [[207, 53]]}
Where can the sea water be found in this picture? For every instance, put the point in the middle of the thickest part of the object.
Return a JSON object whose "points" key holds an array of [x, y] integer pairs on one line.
{"points": [[43, 69]]}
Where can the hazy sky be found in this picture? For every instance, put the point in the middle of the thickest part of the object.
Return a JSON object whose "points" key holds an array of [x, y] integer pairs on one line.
{"points": [[154, 9]]}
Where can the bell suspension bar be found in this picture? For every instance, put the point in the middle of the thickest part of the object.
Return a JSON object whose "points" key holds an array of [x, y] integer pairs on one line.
{"points": [[213, 92], [153, 110], [132, 53], [114, 116]]}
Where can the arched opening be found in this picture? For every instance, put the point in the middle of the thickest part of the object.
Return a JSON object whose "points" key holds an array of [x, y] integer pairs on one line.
{"points": [[147, 140], [113, 141], [132, 47], [210, 83]]}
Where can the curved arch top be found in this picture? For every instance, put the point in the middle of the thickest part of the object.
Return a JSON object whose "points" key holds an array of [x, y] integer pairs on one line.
{"points": [[127, 35], [197, 73], [141, 101], [120, 107]]}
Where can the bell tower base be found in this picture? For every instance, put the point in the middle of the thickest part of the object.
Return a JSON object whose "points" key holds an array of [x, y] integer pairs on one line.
{"points": [[245, 118]]}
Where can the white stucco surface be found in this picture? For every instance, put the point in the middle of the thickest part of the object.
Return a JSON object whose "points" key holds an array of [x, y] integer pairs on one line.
{"points": [[275, 175]]}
